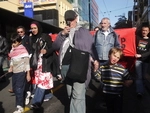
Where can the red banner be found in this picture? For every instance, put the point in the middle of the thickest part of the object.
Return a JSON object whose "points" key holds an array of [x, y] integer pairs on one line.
{"points": [[127, 40]]}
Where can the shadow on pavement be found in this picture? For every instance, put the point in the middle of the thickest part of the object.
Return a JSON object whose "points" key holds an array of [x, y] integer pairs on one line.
{"points": [[40, 110], [1, 108], [6, 82], [61, 95]]}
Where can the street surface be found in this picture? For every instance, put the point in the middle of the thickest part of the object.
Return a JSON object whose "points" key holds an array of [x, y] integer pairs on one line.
{"points": [[94, 100]]}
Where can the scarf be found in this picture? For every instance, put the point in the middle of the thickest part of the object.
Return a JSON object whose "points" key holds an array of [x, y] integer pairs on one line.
{"points": [[68, 42], [19, 51]]}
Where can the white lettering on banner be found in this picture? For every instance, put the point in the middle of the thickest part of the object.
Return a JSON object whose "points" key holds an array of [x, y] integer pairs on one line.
{"points": [[28, 6]]}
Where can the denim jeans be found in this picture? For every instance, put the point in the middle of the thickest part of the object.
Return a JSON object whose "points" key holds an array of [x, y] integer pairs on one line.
{"points": [[64, 71], [48, 96], [102, 62], [141, 70], [76, 93], [18, 83], [39, 95]]}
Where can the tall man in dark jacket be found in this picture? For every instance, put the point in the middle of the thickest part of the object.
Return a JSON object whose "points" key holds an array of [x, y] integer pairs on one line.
{"points": [[25, 38], [3, 53]]}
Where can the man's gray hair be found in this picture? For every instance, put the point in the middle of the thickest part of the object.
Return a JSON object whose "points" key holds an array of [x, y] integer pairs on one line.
{"points": [[106, 18]]}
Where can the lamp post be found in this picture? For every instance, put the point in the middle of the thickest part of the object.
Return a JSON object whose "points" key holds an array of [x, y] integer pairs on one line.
{"points": [[90, 26]]}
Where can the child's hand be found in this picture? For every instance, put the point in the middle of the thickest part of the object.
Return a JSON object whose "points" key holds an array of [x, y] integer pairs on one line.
{"points": [[28, 77], [96, 65], [127, 83], [10, 69]]}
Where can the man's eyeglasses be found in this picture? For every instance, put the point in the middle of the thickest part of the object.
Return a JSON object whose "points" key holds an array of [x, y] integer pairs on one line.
{"points": [[19, 31], [103, 23]]}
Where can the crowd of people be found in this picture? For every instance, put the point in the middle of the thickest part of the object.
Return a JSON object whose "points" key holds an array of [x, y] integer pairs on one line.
{"points": [[32, 57]]}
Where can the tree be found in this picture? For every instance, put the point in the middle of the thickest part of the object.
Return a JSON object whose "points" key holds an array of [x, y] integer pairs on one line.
{"points": [[122, 22]]}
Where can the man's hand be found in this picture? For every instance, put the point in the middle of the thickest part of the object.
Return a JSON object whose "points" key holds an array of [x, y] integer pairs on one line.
{"points": [[66, 30], [138, 55]]}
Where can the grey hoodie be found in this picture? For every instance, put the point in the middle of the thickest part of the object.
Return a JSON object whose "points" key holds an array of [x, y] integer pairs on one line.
{"points": [[83, 41]]}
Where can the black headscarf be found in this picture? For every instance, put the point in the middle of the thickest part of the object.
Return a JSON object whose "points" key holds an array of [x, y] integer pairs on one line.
{"points": [[35, 46], [39, 34]]}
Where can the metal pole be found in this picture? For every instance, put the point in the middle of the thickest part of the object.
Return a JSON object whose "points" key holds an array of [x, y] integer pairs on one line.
{"points": [[90, 15]]}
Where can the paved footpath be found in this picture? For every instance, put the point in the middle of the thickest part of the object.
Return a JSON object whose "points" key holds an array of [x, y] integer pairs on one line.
{"points": [[95, 102]]}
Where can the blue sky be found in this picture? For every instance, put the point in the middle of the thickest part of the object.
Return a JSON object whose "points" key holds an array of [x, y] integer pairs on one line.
{"points": [[112, 8]]}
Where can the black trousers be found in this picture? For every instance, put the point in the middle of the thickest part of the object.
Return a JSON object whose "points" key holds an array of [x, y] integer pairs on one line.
{"points": [[114, 102], [1, 68]]}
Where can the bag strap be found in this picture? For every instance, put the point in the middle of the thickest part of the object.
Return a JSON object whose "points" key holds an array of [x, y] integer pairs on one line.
{"points": [[72, 44]]}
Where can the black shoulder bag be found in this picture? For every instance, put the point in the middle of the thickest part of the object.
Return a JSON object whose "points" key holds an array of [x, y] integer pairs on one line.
{"points": [[78, 65]]}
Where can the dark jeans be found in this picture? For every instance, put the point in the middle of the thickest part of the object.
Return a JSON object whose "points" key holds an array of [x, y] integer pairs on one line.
{"points": [[102, 62], [18, 83], [141, 71], [1, 65], [114, 103], [41, 94]]}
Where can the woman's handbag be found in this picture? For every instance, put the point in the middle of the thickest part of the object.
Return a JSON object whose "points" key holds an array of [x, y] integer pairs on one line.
{"points": [[78, 65]]}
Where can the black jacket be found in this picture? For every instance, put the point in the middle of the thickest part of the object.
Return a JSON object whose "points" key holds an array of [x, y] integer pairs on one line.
{"points": [[143, 48], [3, 46], [26, 43], [48, 57]]}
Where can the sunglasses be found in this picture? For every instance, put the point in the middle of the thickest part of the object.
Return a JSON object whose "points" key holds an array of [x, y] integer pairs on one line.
{"points": [[19, 31]]}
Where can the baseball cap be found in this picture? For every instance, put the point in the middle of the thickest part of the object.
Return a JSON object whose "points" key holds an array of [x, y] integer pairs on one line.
{"points": [[70, 15]]}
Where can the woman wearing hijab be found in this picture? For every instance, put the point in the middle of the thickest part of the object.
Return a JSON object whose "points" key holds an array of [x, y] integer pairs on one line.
{"points": [[41, 61]]}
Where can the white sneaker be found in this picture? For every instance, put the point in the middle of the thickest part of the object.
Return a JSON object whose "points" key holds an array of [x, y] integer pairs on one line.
{"points": [[19, 109], [45, 100], [32, 96], [27, 100]]}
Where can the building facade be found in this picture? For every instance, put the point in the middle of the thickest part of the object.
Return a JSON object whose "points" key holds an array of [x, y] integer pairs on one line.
{"points": [[141, 12], [87, 11], [49, 11], [52, 11], [94, 20]]}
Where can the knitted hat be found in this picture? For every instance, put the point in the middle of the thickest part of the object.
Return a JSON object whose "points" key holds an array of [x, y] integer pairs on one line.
{"points": [[70, 15]]}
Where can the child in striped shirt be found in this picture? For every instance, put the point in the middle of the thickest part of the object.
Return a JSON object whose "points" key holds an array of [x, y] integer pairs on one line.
{"points": [[114, 77]]}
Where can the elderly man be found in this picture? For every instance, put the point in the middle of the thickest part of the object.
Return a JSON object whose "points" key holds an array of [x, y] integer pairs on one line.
{"points": [[105, 39]]}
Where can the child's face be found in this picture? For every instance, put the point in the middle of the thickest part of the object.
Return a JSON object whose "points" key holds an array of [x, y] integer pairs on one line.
{"points": [[15, 44], [114, 58]]}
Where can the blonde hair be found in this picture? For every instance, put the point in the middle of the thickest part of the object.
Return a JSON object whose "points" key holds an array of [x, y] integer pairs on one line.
{"points": [[115, 50]]}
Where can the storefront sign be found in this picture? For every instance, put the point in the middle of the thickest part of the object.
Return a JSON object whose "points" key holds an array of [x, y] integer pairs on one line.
{"points": [[28, 9]]}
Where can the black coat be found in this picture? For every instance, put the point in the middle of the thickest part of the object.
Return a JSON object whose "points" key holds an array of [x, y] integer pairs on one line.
{"points": [[26, 43], [3, 46], [47, 58]]}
